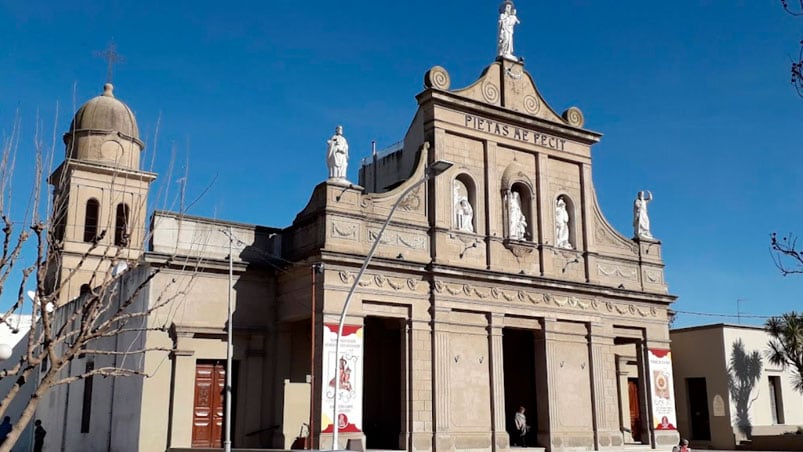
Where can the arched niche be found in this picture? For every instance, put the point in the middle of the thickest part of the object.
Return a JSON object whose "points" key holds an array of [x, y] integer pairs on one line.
{"points": [[464, 203]]}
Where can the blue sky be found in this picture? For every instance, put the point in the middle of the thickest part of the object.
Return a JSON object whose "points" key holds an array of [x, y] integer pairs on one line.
{"points": [[693, 99]]}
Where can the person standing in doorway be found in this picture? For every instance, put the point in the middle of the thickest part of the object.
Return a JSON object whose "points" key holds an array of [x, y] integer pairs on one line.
{"points": [[521, 427], [38, 436]]}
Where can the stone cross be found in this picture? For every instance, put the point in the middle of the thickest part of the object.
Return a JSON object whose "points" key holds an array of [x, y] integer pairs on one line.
{"points": [[111, 56]]}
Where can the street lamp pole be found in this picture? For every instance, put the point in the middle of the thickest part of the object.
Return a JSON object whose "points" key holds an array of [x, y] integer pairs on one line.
{"points": [[431, 171], [229, 347]]}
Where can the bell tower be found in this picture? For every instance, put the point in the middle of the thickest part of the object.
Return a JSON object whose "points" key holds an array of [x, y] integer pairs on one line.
{"points": [[99, 196]]}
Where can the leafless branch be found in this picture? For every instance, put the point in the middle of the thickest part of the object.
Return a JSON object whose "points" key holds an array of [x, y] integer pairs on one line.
{"points": [[785, 254], [795, 8]]}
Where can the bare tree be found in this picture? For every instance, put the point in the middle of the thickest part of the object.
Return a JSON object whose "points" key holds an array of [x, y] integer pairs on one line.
{"points": [[795, 8], [107, 322]]}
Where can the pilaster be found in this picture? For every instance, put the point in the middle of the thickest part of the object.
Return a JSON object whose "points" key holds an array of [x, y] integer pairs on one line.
{"points": [[500, 438], [604, 387]]}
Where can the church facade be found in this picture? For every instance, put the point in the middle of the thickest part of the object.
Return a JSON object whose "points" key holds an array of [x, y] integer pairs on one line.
{"points": [[497, 287]]}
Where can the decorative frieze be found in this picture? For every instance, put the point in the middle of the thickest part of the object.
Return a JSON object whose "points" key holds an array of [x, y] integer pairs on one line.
{"points": [[546, 299], [393, 238], [380, 281], [617, 271], [345, 230]]}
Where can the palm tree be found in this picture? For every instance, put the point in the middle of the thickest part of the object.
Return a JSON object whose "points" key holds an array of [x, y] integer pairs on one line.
{"points": [[744, 372], [786, 345]]}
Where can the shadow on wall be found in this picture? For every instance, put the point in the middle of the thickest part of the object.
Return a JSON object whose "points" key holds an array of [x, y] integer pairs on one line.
{"points": [[744, 372]]}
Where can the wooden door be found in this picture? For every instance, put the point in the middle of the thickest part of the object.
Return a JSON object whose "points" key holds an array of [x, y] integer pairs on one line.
{"points": [[207, 413], [635, 411]]}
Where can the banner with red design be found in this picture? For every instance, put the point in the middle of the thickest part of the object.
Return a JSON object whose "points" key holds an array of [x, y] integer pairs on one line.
{"points": [[349, 402], [663, 393]]}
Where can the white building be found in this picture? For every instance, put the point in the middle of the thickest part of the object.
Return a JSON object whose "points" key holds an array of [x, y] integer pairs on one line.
{"points": [[727, 391]]}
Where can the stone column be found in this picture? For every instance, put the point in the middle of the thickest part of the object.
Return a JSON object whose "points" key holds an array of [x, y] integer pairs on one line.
{"points": [[182, 398], [406, 392], [500, 439], [604, 383], [421, 391], [546, 212], [442, 440], [570, 410]]}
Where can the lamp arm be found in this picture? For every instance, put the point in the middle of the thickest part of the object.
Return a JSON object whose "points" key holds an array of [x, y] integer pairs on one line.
{"points": [[335, 427]]}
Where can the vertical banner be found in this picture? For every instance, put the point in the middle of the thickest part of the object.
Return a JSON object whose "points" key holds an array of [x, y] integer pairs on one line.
{"points": [[349, 387], [663, 391]]}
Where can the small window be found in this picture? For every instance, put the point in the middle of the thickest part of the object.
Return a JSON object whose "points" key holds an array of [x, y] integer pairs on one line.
{"points": [[776, 401], [121, 226], [86, 410], [91, 220], [59, 218]]}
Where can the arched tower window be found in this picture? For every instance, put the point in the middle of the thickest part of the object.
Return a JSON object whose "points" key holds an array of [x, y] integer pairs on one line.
{"points": [[464, 204], [519, 212], [91, 217], [564, 223], [121, 225]]}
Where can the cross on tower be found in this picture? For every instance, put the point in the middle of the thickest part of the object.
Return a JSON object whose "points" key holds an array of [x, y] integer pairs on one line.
{"points": [[111, 56]]}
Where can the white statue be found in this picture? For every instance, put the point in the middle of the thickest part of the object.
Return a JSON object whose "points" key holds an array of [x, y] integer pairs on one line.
{"points": [[518, 223], [507, 20], [337, 155], [464, 214], [562, 225], [641, 221]]}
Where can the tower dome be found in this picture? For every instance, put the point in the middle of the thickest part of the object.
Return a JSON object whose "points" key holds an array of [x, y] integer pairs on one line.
{"points": [[104, 130]]}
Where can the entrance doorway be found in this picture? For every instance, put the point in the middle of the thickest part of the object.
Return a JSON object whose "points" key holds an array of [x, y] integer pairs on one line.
{"points": [[698, 407], [382, 370], [207, 413], [519, 366], [635, 403]]}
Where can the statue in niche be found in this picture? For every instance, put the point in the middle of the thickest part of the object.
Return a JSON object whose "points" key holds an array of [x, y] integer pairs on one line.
{"points": [[641, 221], [507, 20], [337, 155], [562, 225], [463, 211], [518, 222]]}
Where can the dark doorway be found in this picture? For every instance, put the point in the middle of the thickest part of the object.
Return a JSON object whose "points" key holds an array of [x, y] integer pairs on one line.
{"points": [[635, 411], [382, 370], [519, 366], [698, 407]]}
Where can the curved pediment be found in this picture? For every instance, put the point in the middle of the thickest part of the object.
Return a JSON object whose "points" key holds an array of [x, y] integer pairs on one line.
{"points": [[506, 84], [609, 239]]}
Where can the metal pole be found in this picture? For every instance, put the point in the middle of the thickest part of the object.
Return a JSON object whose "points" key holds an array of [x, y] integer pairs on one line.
{"points": [[315, 268], [229, 351], [336, 412]]}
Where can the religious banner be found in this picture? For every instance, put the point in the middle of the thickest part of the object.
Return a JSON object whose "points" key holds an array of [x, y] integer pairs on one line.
{"points": [[663, 393], [349, 402]]}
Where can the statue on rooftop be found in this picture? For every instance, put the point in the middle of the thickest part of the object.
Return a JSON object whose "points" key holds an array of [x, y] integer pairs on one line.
{"points": [[507, 20], [641, 221], [337, 155]]}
